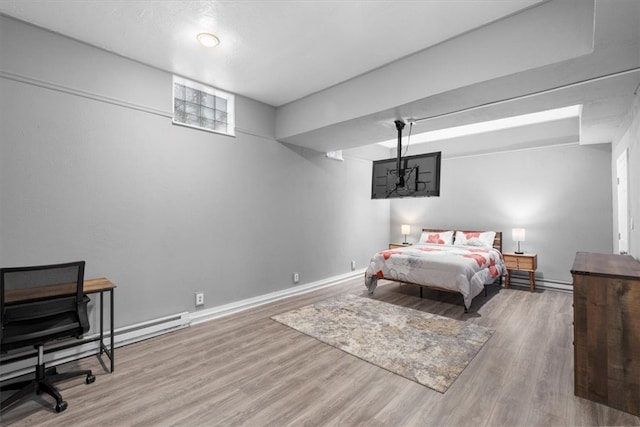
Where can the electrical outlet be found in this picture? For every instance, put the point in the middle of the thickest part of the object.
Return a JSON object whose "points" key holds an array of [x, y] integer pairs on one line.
{"points": [[199, 298], [353, 265], [296, 277]]}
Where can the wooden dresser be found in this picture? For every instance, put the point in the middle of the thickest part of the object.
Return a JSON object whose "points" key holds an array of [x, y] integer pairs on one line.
{"points": [[606, 304]]}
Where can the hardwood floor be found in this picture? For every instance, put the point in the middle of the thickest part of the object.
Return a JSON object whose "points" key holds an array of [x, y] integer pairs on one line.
{"points": [[246, 369]]}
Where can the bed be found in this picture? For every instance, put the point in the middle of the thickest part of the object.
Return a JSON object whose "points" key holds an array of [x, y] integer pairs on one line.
{"points": [[459, 261]]}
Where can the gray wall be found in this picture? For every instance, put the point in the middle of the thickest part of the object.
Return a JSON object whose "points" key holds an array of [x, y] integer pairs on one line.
{"points": [[560, 195], [92, 168]]}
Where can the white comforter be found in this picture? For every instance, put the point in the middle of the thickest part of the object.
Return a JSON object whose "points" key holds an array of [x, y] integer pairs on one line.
{"points": [[464, 269]]}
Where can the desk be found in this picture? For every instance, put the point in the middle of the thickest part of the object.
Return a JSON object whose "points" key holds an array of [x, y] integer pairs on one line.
{"points": [[91, 286]]}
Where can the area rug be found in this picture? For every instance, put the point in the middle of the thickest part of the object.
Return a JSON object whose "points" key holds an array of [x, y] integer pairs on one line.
{"points": [[428, 349]]}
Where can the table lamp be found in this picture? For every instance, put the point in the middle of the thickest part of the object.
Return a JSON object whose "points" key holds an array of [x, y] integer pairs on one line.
{"points": [[405, 229], [518, 236]]}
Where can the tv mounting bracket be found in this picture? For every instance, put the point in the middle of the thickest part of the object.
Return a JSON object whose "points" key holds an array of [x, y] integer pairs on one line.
{"points": [[400, 182]]}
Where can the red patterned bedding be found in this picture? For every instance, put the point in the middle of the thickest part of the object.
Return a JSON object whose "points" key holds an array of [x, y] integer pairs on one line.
{"points": [[456, 268]]}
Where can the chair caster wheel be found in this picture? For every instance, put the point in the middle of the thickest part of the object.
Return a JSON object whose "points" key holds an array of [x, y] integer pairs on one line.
{"points": [[90, 379], [61, 406]]}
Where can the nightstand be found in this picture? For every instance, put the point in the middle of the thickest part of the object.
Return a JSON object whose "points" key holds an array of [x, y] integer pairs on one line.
{"points": [[398, 245], [521, 262]]}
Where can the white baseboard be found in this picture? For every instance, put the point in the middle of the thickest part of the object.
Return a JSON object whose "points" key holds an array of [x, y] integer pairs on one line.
{"points": [[235, 307]]}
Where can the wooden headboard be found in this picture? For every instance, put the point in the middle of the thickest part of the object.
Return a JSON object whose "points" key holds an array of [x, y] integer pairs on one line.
{"points": [[497, 241]]}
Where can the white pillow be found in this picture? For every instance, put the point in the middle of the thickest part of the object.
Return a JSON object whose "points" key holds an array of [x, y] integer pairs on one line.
{"points": [[437, 237], [475, 238]]}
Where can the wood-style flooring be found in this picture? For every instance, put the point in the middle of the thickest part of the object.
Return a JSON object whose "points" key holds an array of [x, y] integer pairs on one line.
{"points": [[248, 370]]}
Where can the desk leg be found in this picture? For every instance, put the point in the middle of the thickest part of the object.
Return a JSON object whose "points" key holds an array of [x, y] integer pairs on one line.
{"points": [[103, 348], [111, 336], [101, 322]]}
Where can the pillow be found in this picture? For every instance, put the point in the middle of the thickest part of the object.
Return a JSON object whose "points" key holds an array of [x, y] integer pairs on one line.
{"points": [[475, 238], [437, 237]]}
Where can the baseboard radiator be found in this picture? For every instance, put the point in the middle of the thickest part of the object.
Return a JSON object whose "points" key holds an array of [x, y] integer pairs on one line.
{"points": [[25, 360], [520, 280]]}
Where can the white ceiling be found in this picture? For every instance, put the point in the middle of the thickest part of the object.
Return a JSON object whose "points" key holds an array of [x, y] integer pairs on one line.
{"points": [[290, 53], [274, 51]]}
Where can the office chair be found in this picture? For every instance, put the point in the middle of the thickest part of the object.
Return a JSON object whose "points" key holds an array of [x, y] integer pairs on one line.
{"points": [[38, 305]]}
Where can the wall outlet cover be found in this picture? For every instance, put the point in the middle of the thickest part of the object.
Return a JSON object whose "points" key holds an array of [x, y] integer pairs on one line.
{"points": [[199, 298]]}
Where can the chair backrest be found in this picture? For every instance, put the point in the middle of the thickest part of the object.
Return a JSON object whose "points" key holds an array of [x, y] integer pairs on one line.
{"points": [[36, 293]]}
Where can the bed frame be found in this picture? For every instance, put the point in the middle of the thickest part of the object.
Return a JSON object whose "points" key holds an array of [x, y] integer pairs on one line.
{"points": [[497, 244]]}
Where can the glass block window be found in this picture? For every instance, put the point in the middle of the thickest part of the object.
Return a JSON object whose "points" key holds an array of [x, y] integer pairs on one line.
{"points": [[202, 107]]}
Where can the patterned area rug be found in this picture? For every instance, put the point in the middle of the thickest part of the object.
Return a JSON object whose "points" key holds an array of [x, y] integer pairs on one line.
{"points": [[428, 349]]}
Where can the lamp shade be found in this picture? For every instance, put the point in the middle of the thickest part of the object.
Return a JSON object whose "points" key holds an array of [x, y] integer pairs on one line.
{"points": [[517, 234], [405, 229]]}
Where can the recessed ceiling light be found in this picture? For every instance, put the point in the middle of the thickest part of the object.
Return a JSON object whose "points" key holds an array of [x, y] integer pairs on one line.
{"points": [[208, 40]]}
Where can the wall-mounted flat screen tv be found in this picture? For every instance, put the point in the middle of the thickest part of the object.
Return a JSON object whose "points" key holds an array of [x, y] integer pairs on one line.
{"points": [[420, 173]]}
